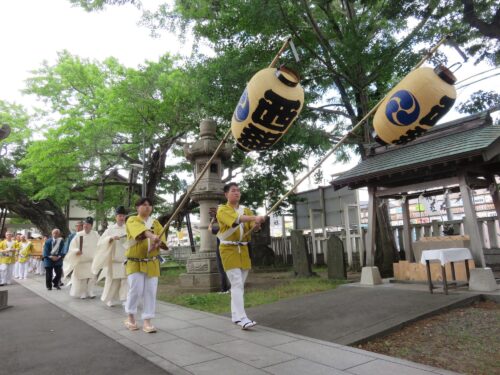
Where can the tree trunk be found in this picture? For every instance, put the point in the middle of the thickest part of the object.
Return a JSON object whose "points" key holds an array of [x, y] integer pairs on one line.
{"points": [[188, 206], [100, 213], [44, 214], [40, 215], [155, 170]]}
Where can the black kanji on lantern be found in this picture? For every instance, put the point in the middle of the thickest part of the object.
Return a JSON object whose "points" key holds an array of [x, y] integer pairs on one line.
{"points": [[275, 112], [254, 138], [437, 111]]}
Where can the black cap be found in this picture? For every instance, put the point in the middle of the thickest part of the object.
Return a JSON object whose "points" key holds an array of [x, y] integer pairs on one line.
{"points": [[89, 220], [120, 210]]}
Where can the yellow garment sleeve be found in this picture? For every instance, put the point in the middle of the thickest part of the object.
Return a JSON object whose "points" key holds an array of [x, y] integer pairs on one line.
{"points": [[227, 215], [135, 227], [157, 228]]}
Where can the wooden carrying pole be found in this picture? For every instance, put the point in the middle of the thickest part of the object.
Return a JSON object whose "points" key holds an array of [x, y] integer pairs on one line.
{"points": [[329, 153], [207, 165]]}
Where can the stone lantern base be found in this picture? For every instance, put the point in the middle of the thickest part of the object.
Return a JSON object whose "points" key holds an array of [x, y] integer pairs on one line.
{"points": [[201, 274]]}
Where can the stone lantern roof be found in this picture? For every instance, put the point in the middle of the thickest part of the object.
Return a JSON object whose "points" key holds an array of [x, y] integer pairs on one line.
{"points": [[206, 145]]}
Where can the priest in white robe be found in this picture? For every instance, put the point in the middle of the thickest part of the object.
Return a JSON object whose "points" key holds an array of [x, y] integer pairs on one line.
{"points": [[110, 259], [78, 261]]}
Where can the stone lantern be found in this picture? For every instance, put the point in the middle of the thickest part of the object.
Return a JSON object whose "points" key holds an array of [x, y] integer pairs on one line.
{"points": [[201, 268]]}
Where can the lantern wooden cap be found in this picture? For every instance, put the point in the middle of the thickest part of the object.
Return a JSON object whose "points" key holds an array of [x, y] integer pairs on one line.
{"points": [[288, 76], [445, 74]]}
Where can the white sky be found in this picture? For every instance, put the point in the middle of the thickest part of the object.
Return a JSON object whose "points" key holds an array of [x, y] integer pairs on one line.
{"points": [[33, 30]]}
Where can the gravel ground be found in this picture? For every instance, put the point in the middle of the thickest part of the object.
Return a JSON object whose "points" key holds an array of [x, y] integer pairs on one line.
{"points": [[465, 340]]}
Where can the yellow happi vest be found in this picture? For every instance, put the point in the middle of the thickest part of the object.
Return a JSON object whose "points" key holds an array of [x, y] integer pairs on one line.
{"points": [[139, 249], [233, 255], [6, 258], [25, 249]]}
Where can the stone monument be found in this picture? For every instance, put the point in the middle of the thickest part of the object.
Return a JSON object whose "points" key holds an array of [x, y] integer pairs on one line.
{"points": [[301, 262], [201, 268], [335, 259]]}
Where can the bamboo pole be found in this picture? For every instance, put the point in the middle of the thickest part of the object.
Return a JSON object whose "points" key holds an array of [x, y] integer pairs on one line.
{"points": [[207, 165], [329, 153]]}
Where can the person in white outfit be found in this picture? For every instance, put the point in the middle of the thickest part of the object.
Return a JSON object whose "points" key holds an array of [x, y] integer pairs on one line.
{"points": [[110, 258], [78, 261]]}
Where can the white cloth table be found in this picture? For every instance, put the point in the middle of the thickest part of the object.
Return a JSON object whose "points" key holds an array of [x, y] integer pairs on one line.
{"points": [[458, 254]]}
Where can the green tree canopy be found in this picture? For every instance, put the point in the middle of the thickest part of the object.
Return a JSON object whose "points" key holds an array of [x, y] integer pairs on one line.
{"points": [[100, 118]]}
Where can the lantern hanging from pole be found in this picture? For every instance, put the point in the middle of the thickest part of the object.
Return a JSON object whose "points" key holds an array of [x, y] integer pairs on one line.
{"points": [[271, 102], [415, 105]]}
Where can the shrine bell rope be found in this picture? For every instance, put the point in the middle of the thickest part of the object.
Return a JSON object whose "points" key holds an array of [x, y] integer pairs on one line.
{"points": [[209, 162], [329, 153]]}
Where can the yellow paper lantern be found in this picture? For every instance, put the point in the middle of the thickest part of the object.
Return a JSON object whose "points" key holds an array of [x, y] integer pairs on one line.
{"points": [[415, 105], [268, 107]]}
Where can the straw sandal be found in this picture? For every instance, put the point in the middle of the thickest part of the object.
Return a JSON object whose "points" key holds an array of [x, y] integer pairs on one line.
{"points": [[150, 329], [131, 326]]}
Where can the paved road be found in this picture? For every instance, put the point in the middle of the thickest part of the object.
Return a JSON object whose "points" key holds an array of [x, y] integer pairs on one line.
{"points": [[37, 337], [350, 314]]}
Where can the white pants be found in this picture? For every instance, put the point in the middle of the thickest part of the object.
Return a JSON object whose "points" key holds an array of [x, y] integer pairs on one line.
{"points": [[9, 273], [3, 273], [141, 286], [40, 269], [82, 287], [114, 290], [237, 278], [16, 270], [22, 270], [32, 265]]}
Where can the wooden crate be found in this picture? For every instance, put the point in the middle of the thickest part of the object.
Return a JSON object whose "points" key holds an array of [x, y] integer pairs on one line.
{"points": [[406, 271]]}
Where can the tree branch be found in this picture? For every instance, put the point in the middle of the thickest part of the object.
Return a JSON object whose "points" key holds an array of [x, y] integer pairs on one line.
{"points": [[491, 30], [331, 111]]}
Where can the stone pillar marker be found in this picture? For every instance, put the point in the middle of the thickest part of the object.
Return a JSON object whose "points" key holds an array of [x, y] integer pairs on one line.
{"points": [[301, 263], [4, 297], [201, 268], [335, 258]]}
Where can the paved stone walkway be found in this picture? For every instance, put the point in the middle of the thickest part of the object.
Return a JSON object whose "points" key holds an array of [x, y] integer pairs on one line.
{"points": [[194, 342], [352, 313], [38, 338]]}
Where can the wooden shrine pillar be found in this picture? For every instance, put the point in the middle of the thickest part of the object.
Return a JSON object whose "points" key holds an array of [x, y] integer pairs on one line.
{"points": [[372, 226], [407, 243], [495, 194], [470, 221]]}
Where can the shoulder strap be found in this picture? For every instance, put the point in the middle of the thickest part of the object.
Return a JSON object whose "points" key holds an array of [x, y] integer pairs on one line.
{"points": [[230, 231]]}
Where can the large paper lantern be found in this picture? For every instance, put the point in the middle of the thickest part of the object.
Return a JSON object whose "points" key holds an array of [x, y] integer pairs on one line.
{"points": [[268, 107], [415, 105]]}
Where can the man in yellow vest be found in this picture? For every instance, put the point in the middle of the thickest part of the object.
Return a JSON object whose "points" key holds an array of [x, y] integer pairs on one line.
{"points": [[16, 263], [143, 264], [235, 221], [25, 249], [8, 250]]}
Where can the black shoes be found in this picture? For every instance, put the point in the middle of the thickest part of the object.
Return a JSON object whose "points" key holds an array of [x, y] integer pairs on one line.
{"points": [[49, 288]]}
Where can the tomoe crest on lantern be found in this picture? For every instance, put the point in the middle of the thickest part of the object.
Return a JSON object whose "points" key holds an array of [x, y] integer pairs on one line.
{"points": [[415, 105], [267, 108], [402, 108]]}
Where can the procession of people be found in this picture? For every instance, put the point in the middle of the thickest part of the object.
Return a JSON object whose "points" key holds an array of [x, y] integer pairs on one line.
{"points": [[127, 256]]}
